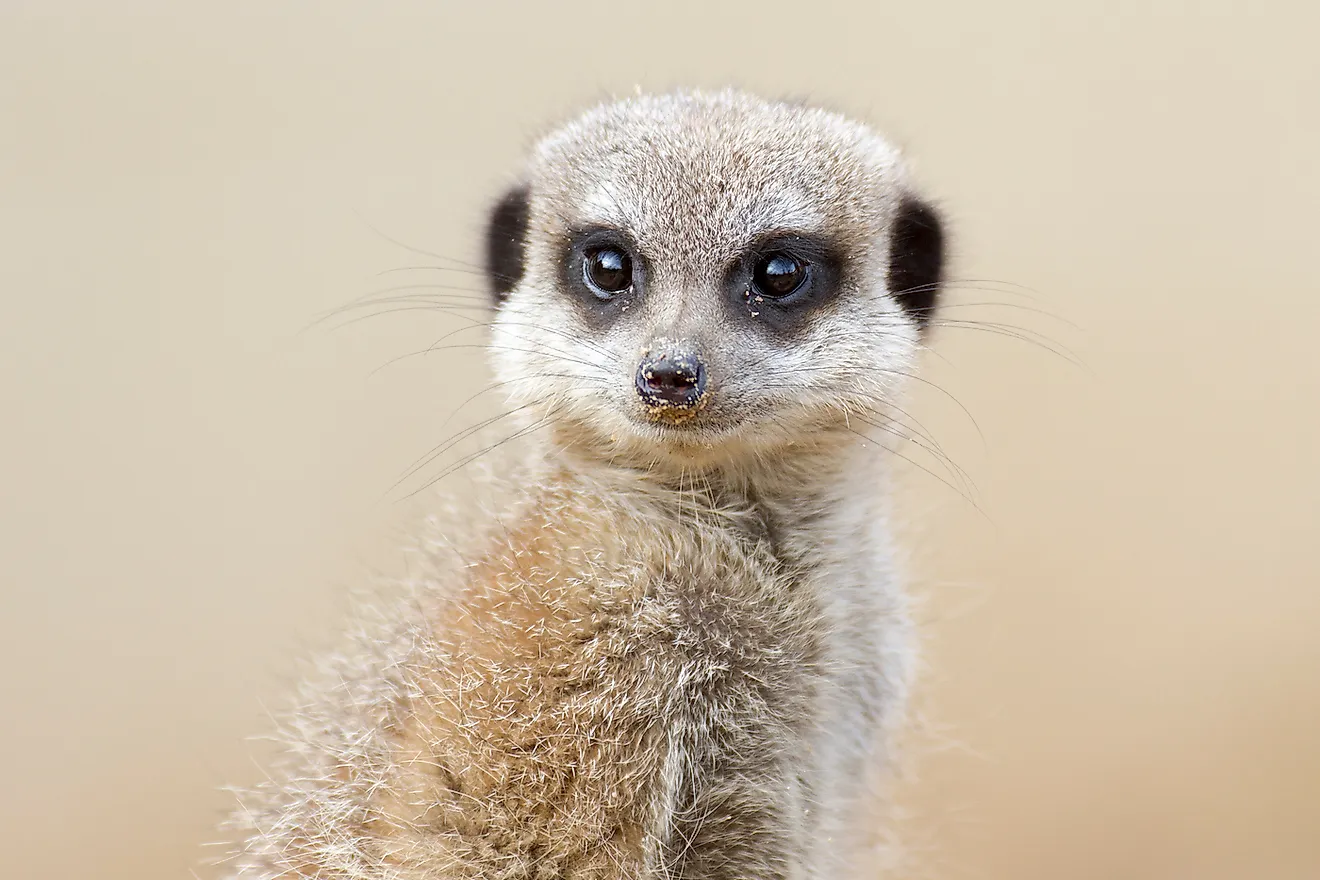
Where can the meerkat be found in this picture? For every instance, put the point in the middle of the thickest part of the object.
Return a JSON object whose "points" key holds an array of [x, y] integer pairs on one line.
{"points": [[679, 649]]}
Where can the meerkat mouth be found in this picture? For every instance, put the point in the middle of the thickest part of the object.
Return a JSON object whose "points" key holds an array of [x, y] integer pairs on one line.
{"points": [[676, 414]]}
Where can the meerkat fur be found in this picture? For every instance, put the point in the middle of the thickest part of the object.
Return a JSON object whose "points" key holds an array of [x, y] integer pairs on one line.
{"points": [[677, 644]]}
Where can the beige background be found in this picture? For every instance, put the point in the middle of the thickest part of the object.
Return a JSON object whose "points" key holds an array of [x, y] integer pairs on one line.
{"points": [[1124, 668]]}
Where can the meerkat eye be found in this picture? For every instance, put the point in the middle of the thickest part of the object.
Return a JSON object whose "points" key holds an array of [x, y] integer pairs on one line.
{"points": [[778, 275], [607, 270]]}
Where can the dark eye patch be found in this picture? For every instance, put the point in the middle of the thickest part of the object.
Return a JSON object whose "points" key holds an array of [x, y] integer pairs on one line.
{"points": [[784, 277], [602, 272]]}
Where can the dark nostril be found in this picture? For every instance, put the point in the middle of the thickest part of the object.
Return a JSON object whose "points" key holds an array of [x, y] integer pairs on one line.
{"points": [[670, 377], [671, 380]]}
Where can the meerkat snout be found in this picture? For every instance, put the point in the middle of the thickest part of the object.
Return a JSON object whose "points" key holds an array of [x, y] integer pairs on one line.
{"points": [[671, 379]]}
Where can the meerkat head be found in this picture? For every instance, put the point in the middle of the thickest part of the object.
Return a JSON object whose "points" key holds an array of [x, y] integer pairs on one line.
{"points": [[692, 277]]}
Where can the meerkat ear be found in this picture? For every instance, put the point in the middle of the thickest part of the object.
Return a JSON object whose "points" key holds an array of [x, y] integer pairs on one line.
{"points": [[506, 242], [916, 258]]}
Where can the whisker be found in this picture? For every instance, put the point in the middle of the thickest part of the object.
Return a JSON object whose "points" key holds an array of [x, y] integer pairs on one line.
{"points": [[927, 471], [454, 310], [601, 380], [955, 470], [813, 368], [1011, 331], [445, 445], [457, 294], [944, 307], [539, 328], [476, 272], [483, 346], [919, 436], [416, 250], [996, 285], [466, 460], [544, 350], [446, 291]]}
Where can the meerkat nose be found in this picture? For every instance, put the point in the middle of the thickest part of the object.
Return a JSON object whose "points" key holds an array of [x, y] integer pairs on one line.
{"points": [[671, 380]]}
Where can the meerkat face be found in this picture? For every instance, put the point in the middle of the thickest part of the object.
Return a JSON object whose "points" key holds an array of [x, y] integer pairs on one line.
{"points": [[688, 274]]}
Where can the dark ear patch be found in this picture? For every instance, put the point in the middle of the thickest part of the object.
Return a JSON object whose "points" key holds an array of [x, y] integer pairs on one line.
{"points": [[506, 242], [916, 259]]}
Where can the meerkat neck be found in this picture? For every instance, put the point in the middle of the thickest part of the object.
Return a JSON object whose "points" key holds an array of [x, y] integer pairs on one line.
{"points": [[816, 498]]}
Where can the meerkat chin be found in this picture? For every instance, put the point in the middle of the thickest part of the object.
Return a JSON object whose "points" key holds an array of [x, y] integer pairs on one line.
{"points": [[679, 650]]}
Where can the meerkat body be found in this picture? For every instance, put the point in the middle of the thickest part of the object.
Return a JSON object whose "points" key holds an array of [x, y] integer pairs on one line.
{"points": [[675, 651]]}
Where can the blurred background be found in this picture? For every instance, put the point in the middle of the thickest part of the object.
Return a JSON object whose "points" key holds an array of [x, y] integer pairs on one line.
{"points": [[1123, 669]]}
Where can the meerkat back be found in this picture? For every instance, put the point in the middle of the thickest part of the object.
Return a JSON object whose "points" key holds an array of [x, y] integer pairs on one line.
{"points": [[677, 648]]}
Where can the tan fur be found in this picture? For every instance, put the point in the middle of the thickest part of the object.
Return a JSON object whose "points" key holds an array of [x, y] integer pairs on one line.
{"points": [[673, 653]]}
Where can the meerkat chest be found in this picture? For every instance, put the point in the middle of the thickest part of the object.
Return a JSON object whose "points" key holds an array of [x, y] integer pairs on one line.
{"points": [[633, 622], [605, 680]]}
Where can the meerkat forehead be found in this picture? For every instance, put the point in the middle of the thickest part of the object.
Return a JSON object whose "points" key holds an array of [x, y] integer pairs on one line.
{"points": [[693, 173]]}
